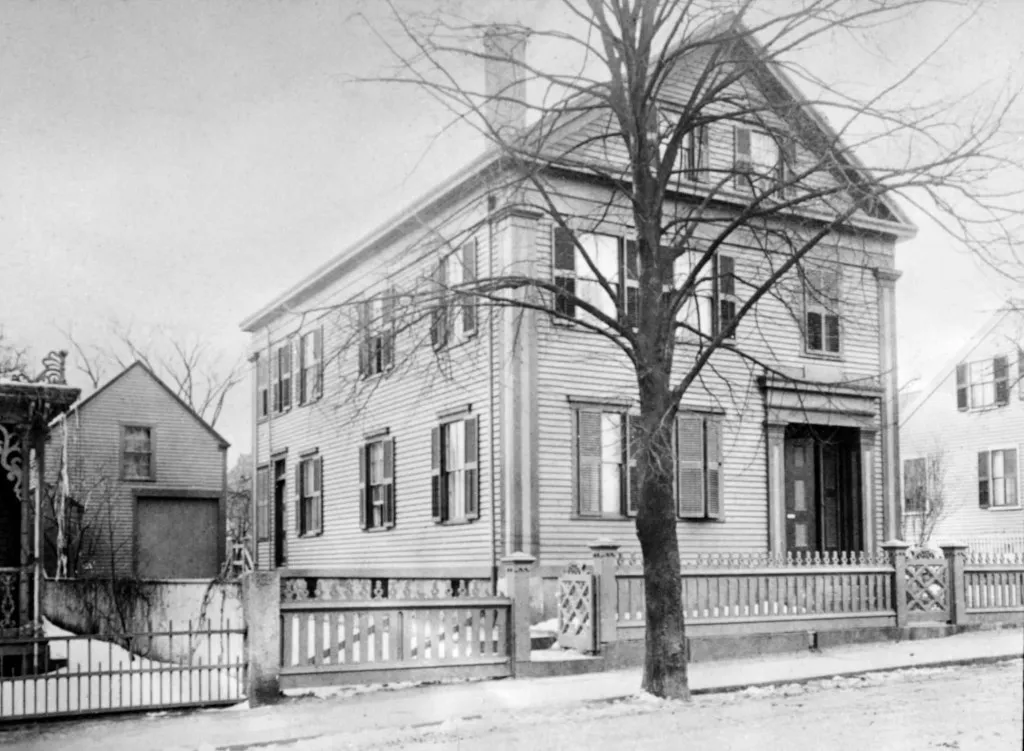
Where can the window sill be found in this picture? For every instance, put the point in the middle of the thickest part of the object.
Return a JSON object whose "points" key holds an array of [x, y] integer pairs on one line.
{"points": [[310, 535], [144, 480], [607, 518], [455, 522], [1016, 507], [378, 530], [829, 356]]}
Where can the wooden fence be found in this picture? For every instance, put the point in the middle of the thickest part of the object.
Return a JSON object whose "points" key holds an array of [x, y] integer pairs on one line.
{"points": [[733, 595]]}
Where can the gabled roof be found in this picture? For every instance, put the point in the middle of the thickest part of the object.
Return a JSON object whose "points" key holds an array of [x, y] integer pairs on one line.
{"points": [[142, 366], [429, 201], [1011, 307]]}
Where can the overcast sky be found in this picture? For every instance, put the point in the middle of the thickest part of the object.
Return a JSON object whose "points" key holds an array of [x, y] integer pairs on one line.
{"points": [[178, 164]]}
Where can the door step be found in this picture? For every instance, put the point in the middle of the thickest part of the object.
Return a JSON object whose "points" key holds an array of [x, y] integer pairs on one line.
{"points": [[927, 631]]}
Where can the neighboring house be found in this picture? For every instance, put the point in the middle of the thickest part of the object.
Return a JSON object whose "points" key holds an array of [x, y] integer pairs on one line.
{"points": [[962, 439], [146, 484], [509, 433]]}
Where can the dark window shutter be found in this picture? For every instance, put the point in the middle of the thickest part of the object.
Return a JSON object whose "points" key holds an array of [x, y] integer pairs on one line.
{"points": [[303, 387], [713, 458], [741, 157], [831, 333], [318, 499], [293, 360], [363, 496], [472, 473], [962, 403], [439, 315], [631, 263], [787, 163], [437, 501], [702, 162], [1001, 374], [634, 487], [588, 463], [387, 333], [726, 275], [690, 466], [389, 482], [298, 498], [1020, 374], [565, 269], [814, 332], [318, 351], [469, 277], [983, 479], [364, 338]]}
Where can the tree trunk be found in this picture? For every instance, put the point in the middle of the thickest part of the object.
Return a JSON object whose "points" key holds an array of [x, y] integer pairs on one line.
{"points": [[665, 661]]}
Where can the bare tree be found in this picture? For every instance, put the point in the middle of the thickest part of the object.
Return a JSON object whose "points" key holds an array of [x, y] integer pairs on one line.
{"points": [[924, 496], [12, 358], [798, 200], [200, 376]]}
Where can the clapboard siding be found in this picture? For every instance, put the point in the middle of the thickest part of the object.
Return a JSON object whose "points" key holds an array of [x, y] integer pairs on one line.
{"points": [[407, 403], [187, 455], [935, 426]]}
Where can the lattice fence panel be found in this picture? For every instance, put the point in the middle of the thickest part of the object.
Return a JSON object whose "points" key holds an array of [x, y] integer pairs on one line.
{"points": [[577, 626], [928, 589]]}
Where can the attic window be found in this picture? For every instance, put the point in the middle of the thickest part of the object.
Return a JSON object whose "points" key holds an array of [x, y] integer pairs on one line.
{"points": [[137, 453], [762, 161]]}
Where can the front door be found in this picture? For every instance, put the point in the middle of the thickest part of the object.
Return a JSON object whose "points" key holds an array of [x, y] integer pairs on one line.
{"points": [[801, 493], [279, 530]]}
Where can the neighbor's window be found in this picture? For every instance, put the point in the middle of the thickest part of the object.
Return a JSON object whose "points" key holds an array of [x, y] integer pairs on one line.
{"points": [[310, 501], [822, 332], [455, 493], [137, 456], [263, 503], [983, 383], [997, 478], [262, 388], [311, 366], [915, 486], [377, 484], [377, 350]]}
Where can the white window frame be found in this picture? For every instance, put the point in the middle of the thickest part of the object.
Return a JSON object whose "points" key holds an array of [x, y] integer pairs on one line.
{"points": [[310, 496], [125, 453], [1016, 477], [816, 303], [311, 379]]}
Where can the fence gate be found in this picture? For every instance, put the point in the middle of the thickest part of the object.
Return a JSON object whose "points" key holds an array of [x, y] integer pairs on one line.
{"points": [[577, 622], [927, 589]]}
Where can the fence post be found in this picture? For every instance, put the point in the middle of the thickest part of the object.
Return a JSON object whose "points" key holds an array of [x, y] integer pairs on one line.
{"points": [[606, 562], [954, 553], [518, 568], [261, 600], [896, 550]]}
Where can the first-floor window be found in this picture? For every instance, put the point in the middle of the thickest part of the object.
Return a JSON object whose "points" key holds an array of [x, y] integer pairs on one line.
{"points": [[602, 487], [310, 499], [997, 478], [699, 466], [263, 503], [377, 483], [454, 482], [915, 486]]}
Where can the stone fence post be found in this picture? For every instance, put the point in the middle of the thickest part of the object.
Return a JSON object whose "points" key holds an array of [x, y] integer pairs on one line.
{"points": [[518, 569], [896, 550], [606, 562], [954, 553], [261, 602]]}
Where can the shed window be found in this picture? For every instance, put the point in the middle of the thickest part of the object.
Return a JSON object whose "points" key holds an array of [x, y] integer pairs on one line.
{"points": [[137, 457]]}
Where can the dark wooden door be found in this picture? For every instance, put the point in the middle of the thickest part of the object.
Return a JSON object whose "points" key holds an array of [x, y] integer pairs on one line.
{"points": [[279, 529], [801, 493]]}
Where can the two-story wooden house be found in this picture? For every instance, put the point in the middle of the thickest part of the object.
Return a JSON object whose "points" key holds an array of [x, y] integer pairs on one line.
{"points": [[962, 438], [138, 480], [387, 445]]}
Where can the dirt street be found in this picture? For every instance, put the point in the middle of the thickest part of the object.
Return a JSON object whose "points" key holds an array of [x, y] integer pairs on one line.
{"points": [[977, 707]]}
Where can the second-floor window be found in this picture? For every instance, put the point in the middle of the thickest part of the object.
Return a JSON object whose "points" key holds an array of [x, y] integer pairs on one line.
{"points": [[311, 368], [454, 317], [997, 478], [822, 331], [983, 383], [309, 503], [281, 372], [579, 271], [377, 483], [137, 453], [262, 388], [263, 503], [455, 487], [376, 322]]}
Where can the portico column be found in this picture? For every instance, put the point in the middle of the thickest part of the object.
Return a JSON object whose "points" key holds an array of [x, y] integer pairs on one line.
{"points": [[514, 232], [775, 436], [890, 402], [867, 485]]}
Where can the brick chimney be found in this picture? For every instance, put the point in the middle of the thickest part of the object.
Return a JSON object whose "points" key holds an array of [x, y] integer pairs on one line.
{"points": [[505, 85]]}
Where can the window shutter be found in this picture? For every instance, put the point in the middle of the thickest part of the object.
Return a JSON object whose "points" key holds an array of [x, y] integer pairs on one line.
{"points": [[961, 387], [634, 488], [439, 315], [389, 482], [364, 338], [983, 480], [814, 332], [363, 498], [1001, 373], [690, 466], [832, 341], [318, 353], [298, 498], [632, 274], [302, 388], [787, 163], [471, 472], [702, 160], [565, 270], [714, 467], [1020, 374], [318, 495], [275, 381], [387, 331], [588, 463], [741, 156], [437, 503], [293, 359], [469, 277], [726, 275]]}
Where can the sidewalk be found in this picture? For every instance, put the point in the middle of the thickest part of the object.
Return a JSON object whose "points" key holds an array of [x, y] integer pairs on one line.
{"points": [[337, 716]]}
